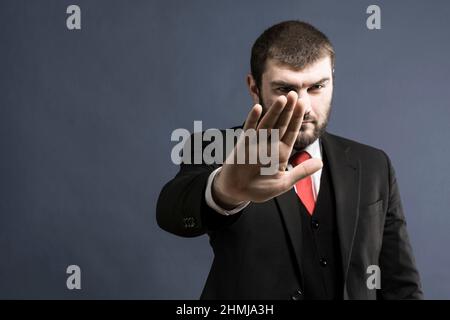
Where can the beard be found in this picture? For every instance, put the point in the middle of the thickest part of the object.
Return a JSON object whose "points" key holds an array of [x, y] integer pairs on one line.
{"points": [[306, 135]]}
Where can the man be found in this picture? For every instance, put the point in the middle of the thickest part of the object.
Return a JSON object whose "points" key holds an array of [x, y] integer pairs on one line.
{"points": [[324, 222]]}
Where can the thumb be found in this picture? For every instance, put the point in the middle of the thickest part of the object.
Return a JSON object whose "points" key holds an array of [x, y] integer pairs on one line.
{"points": [[304, 169]]}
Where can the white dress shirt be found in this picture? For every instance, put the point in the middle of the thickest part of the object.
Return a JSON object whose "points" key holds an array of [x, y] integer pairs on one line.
{"points": [[314, 149]]}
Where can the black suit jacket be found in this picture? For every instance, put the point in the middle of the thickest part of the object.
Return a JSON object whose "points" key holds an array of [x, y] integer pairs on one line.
{"points": [[257, 251]]}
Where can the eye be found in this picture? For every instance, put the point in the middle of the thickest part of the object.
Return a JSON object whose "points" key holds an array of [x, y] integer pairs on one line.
{"points": [[285, 89], [317, 86]]}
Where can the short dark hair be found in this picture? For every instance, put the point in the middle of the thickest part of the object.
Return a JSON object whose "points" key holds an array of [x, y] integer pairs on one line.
{"points": [[294, 43]]}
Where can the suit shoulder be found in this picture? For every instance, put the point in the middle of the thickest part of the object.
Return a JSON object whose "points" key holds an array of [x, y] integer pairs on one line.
{"points": [[364, 150]]}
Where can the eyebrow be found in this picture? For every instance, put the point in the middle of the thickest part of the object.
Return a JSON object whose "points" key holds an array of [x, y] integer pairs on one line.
{"points": [[281, 83]]}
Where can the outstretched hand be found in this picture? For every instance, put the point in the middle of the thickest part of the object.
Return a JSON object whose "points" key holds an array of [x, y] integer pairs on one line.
{"points": [[238, 183]]}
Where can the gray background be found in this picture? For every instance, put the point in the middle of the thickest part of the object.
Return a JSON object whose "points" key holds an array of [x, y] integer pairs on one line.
{"points": [[86, 118]]}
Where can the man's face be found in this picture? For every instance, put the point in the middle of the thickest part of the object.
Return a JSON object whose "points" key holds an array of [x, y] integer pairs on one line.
{"points": [[313, 84]]}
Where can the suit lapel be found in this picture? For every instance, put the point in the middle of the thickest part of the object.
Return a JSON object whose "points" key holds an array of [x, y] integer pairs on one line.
{"points": [[289, 207], [345, 176]]}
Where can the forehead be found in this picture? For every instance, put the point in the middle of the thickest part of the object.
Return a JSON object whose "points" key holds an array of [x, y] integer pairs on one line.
{"points": [[313, 73]]}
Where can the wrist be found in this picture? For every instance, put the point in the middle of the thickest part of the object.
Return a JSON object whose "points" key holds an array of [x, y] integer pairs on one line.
{"points": [[220, 195]]}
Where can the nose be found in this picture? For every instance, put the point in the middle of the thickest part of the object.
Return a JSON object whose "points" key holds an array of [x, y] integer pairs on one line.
{"points": [[305, 99]]}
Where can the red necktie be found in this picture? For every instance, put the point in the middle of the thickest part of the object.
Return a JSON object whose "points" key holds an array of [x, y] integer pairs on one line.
{"points": [[304, 186]]}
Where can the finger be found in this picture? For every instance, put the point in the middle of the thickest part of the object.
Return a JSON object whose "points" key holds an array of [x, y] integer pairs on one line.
{"points": [[253, 117], [303, 170], [269, 120], [285, 117], [295, 123]]}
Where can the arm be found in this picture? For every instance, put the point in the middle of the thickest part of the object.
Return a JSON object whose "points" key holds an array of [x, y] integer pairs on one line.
{"points": [[399, 275], [182, 207]]}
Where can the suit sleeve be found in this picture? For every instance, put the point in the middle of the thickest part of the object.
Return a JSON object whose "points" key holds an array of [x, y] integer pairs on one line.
{"points": [[182, 209], [399, 276]]}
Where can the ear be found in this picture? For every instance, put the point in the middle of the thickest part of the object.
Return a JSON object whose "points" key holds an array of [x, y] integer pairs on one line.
{"points": [[253, 88]]}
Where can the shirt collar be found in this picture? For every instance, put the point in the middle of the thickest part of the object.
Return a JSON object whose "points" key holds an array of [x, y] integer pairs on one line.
{"points": [[314, 149]]}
